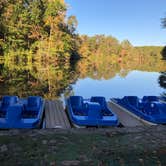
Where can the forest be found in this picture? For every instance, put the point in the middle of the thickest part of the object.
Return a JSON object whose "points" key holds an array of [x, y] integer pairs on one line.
{"points": [[40, 49], [40, 28]]}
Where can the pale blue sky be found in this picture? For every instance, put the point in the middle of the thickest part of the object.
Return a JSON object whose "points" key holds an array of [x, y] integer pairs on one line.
{"points": [[139, 21]]}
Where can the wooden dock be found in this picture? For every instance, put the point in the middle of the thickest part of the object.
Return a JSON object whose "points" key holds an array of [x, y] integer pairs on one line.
{"points": [[55, 115], [126, 118]]}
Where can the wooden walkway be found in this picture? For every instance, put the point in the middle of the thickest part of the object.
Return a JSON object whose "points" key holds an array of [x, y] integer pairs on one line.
{"points": [[126, 118], [55, 115]]}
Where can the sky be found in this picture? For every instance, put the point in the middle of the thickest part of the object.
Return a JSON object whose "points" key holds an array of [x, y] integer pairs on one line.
{"points": [[139, 21]]}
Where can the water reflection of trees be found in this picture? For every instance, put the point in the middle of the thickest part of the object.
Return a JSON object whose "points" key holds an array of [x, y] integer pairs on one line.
{"points": [[27, 74], [162, 77], [33, 77], [106, 67], [162, 80], [163, 53]]}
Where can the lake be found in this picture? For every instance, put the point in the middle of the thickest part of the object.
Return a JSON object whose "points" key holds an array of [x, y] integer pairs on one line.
{"points": [[137, 83], [85, 78]]}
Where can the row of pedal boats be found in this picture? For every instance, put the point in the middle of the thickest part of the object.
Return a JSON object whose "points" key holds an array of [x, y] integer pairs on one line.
{"points": [[28, 112]]}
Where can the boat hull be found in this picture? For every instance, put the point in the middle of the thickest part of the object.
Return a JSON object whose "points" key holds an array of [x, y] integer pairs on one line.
{"points": [[151, 111], [92, 116], [23, 115]]}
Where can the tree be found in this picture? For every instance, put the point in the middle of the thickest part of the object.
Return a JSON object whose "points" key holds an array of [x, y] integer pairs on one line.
{"points": [[39, 26], [72, 23], [163, 22], [126, 44]]}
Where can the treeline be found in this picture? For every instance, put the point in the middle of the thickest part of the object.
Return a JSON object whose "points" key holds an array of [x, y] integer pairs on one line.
{"points": [[103, 45], [37, 26], [40, 28], [104, 56], [100, 45]]}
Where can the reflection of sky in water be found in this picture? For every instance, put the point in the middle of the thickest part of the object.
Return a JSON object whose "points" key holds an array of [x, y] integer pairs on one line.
{"points": [[135, 83]]}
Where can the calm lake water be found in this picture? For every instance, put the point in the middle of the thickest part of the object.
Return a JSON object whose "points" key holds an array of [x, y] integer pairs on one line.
{"points": [[137, 83], [86, 78]]}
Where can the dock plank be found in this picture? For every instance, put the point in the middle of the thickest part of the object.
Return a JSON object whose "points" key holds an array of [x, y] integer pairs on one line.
{"points": [[64, 116], [125, 118], [55, 115], [59, 114]]}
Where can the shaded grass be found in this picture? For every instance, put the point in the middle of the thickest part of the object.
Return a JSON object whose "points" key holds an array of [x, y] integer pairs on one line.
{"points": [[89, 149]]}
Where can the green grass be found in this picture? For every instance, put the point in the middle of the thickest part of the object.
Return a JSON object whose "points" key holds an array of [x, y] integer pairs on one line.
{"points": [[90, 149]]}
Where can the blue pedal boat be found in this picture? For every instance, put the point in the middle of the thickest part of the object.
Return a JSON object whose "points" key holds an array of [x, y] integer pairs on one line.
{"points": [[92, 112], [150, 108], [21, 113]]}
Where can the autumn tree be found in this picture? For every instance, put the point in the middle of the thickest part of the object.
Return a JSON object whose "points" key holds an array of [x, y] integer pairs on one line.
{"points": [[39, 26]]}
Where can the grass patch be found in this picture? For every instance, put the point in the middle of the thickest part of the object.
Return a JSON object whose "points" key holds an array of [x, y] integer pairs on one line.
{"points": [[92, 149]]}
